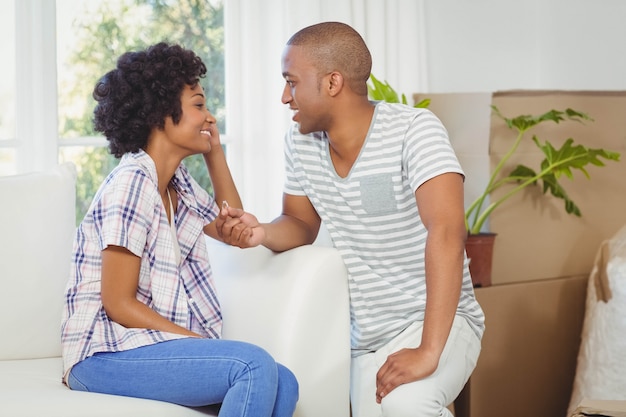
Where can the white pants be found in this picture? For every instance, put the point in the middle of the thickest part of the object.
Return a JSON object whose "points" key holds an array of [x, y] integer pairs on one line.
{"points": [[427, 397]]}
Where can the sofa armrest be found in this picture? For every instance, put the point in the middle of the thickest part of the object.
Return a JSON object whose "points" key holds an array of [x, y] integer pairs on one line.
{"points": [[37, 224], [295, 305]]}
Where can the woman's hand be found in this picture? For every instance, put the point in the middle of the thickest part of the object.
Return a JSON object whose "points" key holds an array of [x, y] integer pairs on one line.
{"points": [[214, 135], [238, 228]]}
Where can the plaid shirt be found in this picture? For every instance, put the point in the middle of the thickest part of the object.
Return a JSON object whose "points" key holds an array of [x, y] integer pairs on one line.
{"points": [[128, 211]]}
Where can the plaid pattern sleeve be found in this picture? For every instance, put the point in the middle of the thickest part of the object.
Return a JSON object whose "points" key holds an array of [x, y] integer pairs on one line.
{"points": [[127, 211]]}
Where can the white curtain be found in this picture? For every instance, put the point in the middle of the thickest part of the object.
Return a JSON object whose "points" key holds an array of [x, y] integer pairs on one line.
{"points": [[256, 32]]}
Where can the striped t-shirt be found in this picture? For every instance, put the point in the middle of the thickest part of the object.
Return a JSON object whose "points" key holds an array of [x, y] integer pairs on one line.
{"points": [[372, 217]]}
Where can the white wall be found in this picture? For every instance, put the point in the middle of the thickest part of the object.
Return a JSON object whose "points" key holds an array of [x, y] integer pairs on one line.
{"points": [[491, 45], [482, 46]]}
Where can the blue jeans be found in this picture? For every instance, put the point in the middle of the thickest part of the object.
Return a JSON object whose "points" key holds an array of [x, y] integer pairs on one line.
{"points": [[194, 372]]}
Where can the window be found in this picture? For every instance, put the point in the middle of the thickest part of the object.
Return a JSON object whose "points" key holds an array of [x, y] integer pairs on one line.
{"points": [[7, 89], [88, 36]]}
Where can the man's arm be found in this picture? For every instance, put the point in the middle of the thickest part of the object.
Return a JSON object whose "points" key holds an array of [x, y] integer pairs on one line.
{"points": [[298, 225], [440, 204]]}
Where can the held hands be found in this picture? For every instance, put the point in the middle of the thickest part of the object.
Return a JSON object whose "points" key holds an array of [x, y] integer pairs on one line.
{"points": [[404, 366], [238, 228]]}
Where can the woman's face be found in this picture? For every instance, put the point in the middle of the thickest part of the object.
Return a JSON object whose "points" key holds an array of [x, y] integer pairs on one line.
{"points": [[196, 132]]}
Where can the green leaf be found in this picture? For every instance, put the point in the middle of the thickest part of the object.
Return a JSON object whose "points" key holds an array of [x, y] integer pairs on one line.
{"points": [[561, 162], [382, 91], [525, 121], [550, 183], [570, 156], [521, 173], [422, 104], [576, 115]]}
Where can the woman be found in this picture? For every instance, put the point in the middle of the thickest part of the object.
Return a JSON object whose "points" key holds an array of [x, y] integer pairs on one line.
{"points": [[141, 315]]}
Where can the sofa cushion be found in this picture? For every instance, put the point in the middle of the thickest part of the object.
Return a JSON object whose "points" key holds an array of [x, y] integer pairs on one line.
{"points": [[37, 221], [33, 388]]}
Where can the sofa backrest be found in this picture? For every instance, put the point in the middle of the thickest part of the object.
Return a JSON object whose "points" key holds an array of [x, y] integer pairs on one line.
{"points": [[37, 223]]}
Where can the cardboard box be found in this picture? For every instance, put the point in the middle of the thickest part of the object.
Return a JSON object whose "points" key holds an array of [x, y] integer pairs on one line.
{"points": [[600, 408], [528, 360], [536, 238]]}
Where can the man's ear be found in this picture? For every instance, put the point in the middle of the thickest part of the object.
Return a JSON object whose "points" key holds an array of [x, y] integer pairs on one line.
{"points": [[335, 83]]}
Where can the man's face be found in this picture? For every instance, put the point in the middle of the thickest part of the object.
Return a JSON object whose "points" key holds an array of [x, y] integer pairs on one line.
{"points": [[303, 90]]}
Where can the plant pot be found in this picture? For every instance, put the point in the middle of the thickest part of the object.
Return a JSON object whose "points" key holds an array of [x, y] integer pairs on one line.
{"points": [[479, 249]]}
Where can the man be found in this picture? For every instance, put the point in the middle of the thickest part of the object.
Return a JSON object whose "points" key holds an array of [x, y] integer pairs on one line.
{"points": [[388, 186]]}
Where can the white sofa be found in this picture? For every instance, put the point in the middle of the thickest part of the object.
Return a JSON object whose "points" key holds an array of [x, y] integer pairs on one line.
{"points": [[294, 304]]}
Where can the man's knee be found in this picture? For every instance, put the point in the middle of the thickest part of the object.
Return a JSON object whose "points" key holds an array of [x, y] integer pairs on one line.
{"points": [[411, 401]]}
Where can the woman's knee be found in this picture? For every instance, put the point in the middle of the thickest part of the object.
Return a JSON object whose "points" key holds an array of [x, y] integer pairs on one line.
{"points": [[257, 361], [287, 382]]}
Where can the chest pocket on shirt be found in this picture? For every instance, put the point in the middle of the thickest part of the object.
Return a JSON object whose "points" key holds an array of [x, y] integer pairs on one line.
{"points": [[377, 194]]}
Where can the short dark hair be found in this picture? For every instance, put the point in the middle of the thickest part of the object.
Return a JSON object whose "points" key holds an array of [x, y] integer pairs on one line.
{"points": [[141, 92], [336, 46]]}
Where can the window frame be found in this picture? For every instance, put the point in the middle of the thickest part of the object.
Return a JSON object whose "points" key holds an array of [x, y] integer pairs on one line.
{"points": [[37, 143]]}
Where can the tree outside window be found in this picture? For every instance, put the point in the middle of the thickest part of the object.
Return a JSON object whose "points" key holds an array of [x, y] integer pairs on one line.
{"points": [[92, 35]]}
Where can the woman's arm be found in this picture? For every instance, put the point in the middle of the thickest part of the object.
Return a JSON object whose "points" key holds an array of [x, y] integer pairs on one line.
{"points": [[120, 278], [221, 178]]}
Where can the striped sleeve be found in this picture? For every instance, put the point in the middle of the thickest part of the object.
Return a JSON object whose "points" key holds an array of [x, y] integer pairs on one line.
{"points": [[428, 152]]}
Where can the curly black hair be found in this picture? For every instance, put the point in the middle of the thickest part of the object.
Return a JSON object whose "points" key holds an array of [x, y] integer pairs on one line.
{"points": [[141, 92]]}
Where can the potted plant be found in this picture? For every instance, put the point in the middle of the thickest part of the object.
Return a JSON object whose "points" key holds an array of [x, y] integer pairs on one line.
{"points": [[558, 162]]}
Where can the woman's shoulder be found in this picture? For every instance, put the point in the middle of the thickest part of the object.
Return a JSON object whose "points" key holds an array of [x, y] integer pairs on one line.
{"points": [[126, 184], [130, 170]]}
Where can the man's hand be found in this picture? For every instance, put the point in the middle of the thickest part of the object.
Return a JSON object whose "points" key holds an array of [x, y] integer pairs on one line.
{"points": [[238, 228], [404, 366]]}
